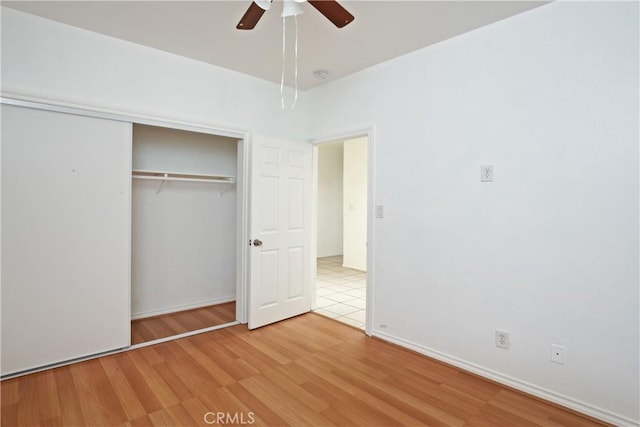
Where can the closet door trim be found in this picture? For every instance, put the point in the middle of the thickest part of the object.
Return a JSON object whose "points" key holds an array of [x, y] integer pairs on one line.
{"points": [[89, 111]]}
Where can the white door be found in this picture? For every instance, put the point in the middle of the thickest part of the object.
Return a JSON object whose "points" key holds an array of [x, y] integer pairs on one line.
{"points": [[280, 230], [66, 183]]}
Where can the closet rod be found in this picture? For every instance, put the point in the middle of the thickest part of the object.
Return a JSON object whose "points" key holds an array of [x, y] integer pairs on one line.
{"points": [[176, 176]]}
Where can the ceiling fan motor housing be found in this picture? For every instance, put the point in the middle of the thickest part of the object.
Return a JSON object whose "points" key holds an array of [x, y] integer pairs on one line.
{"points": [[264, 4], [331, 9]]}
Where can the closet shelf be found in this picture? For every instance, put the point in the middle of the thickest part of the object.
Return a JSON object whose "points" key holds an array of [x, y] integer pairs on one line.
{"points": [[181, 176]]}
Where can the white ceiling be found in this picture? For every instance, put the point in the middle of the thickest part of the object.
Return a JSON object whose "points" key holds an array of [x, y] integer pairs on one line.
{"points": [[205, 30]]}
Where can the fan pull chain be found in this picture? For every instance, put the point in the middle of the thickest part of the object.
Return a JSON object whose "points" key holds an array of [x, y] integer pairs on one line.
{"points": [[284, 46], [295, 73], [295, 99]]}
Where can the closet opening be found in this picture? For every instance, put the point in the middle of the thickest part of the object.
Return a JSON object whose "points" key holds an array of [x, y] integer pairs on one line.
{"points": [[185, 228]]}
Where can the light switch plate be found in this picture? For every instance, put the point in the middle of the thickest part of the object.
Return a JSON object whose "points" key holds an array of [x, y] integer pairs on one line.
{"points": [[379, 211], [486, 173]]}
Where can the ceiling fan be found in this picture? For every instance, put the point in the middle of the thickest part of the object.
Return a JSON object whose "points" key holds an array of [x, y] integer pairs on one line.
{"points": [[331, 9]]}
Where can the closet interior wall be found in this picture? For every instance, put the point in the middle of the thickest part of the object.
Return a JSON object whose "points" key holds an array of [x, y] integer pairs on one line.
{"points": [[183, 232]]}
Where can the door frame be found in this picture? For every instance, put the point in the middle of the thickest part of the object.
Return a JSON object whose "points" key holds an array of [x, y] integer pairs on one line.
{"points": [[369, 133]]}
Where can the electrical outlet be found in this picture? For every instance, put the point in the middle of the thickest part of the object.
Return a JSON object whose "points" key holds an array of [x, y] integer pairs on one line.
{"points": [[502, 339], [558, 354]]}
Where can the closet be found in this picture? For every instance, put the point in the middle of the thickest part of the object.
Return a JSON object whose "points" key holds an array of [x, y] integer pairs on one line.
{"points": [[184, 222], [107, 221]]}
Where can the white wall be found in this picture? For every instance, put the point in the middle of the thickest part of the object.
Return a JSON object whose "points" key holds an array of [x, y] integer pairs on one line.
{"points": [[549, 250], [355, 204], [330, 161], [46, 59]]}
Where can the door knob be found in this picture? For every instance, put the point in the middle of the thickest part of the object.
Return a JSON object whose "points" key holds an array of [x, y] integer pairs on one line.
{"points": [[257, 242]]}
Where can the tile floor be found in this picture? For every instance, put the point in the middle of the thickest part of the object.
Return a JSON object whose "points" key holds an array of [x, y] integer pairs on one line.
{"points": [[341, 292]]}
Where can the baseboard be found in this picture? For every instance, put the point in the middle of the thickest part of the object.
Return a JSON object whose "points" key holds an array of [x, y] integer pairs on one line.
{"points": [[532, 389], [328, 255], [354, 268], [173, 309]]}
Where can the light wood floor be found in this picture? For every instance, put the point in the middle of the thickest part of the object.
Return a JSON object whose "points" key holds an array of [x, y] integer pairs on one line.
{"points": [[153, 328], [306, 371]]}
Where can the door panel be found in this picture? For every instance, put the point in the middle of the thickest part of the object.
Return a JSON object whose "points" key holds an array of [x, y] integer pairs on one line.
{"points": [[66, 201], [280, 208], [296, 273]]}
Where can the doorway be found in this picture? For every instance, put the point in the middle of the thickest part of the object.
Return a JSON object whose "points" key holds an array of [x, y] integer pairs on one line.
{"points": [[341, 244]]}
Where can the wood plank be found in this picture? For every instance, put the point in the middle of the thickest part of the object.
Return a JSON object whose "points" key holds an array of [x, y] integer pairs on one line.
{"points": [[434, 394], [9, 414], [196, 410], [27, 411], [144, 393], [296, 392], [223, 400], [68, 398], [399, 399], [126, 394], [346, 406], [194, 376], [264, 414], [555, 413], [162, 418], [232, 365], [207, 363], [359, 393], [47, 398], [182, 416], [293, 411], [98, 400]]}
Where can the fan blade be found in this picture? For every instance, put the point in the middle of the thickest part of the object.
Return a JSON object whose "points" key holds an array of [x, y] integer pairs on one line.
{"points": [[333, 11], [250, 17]]}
